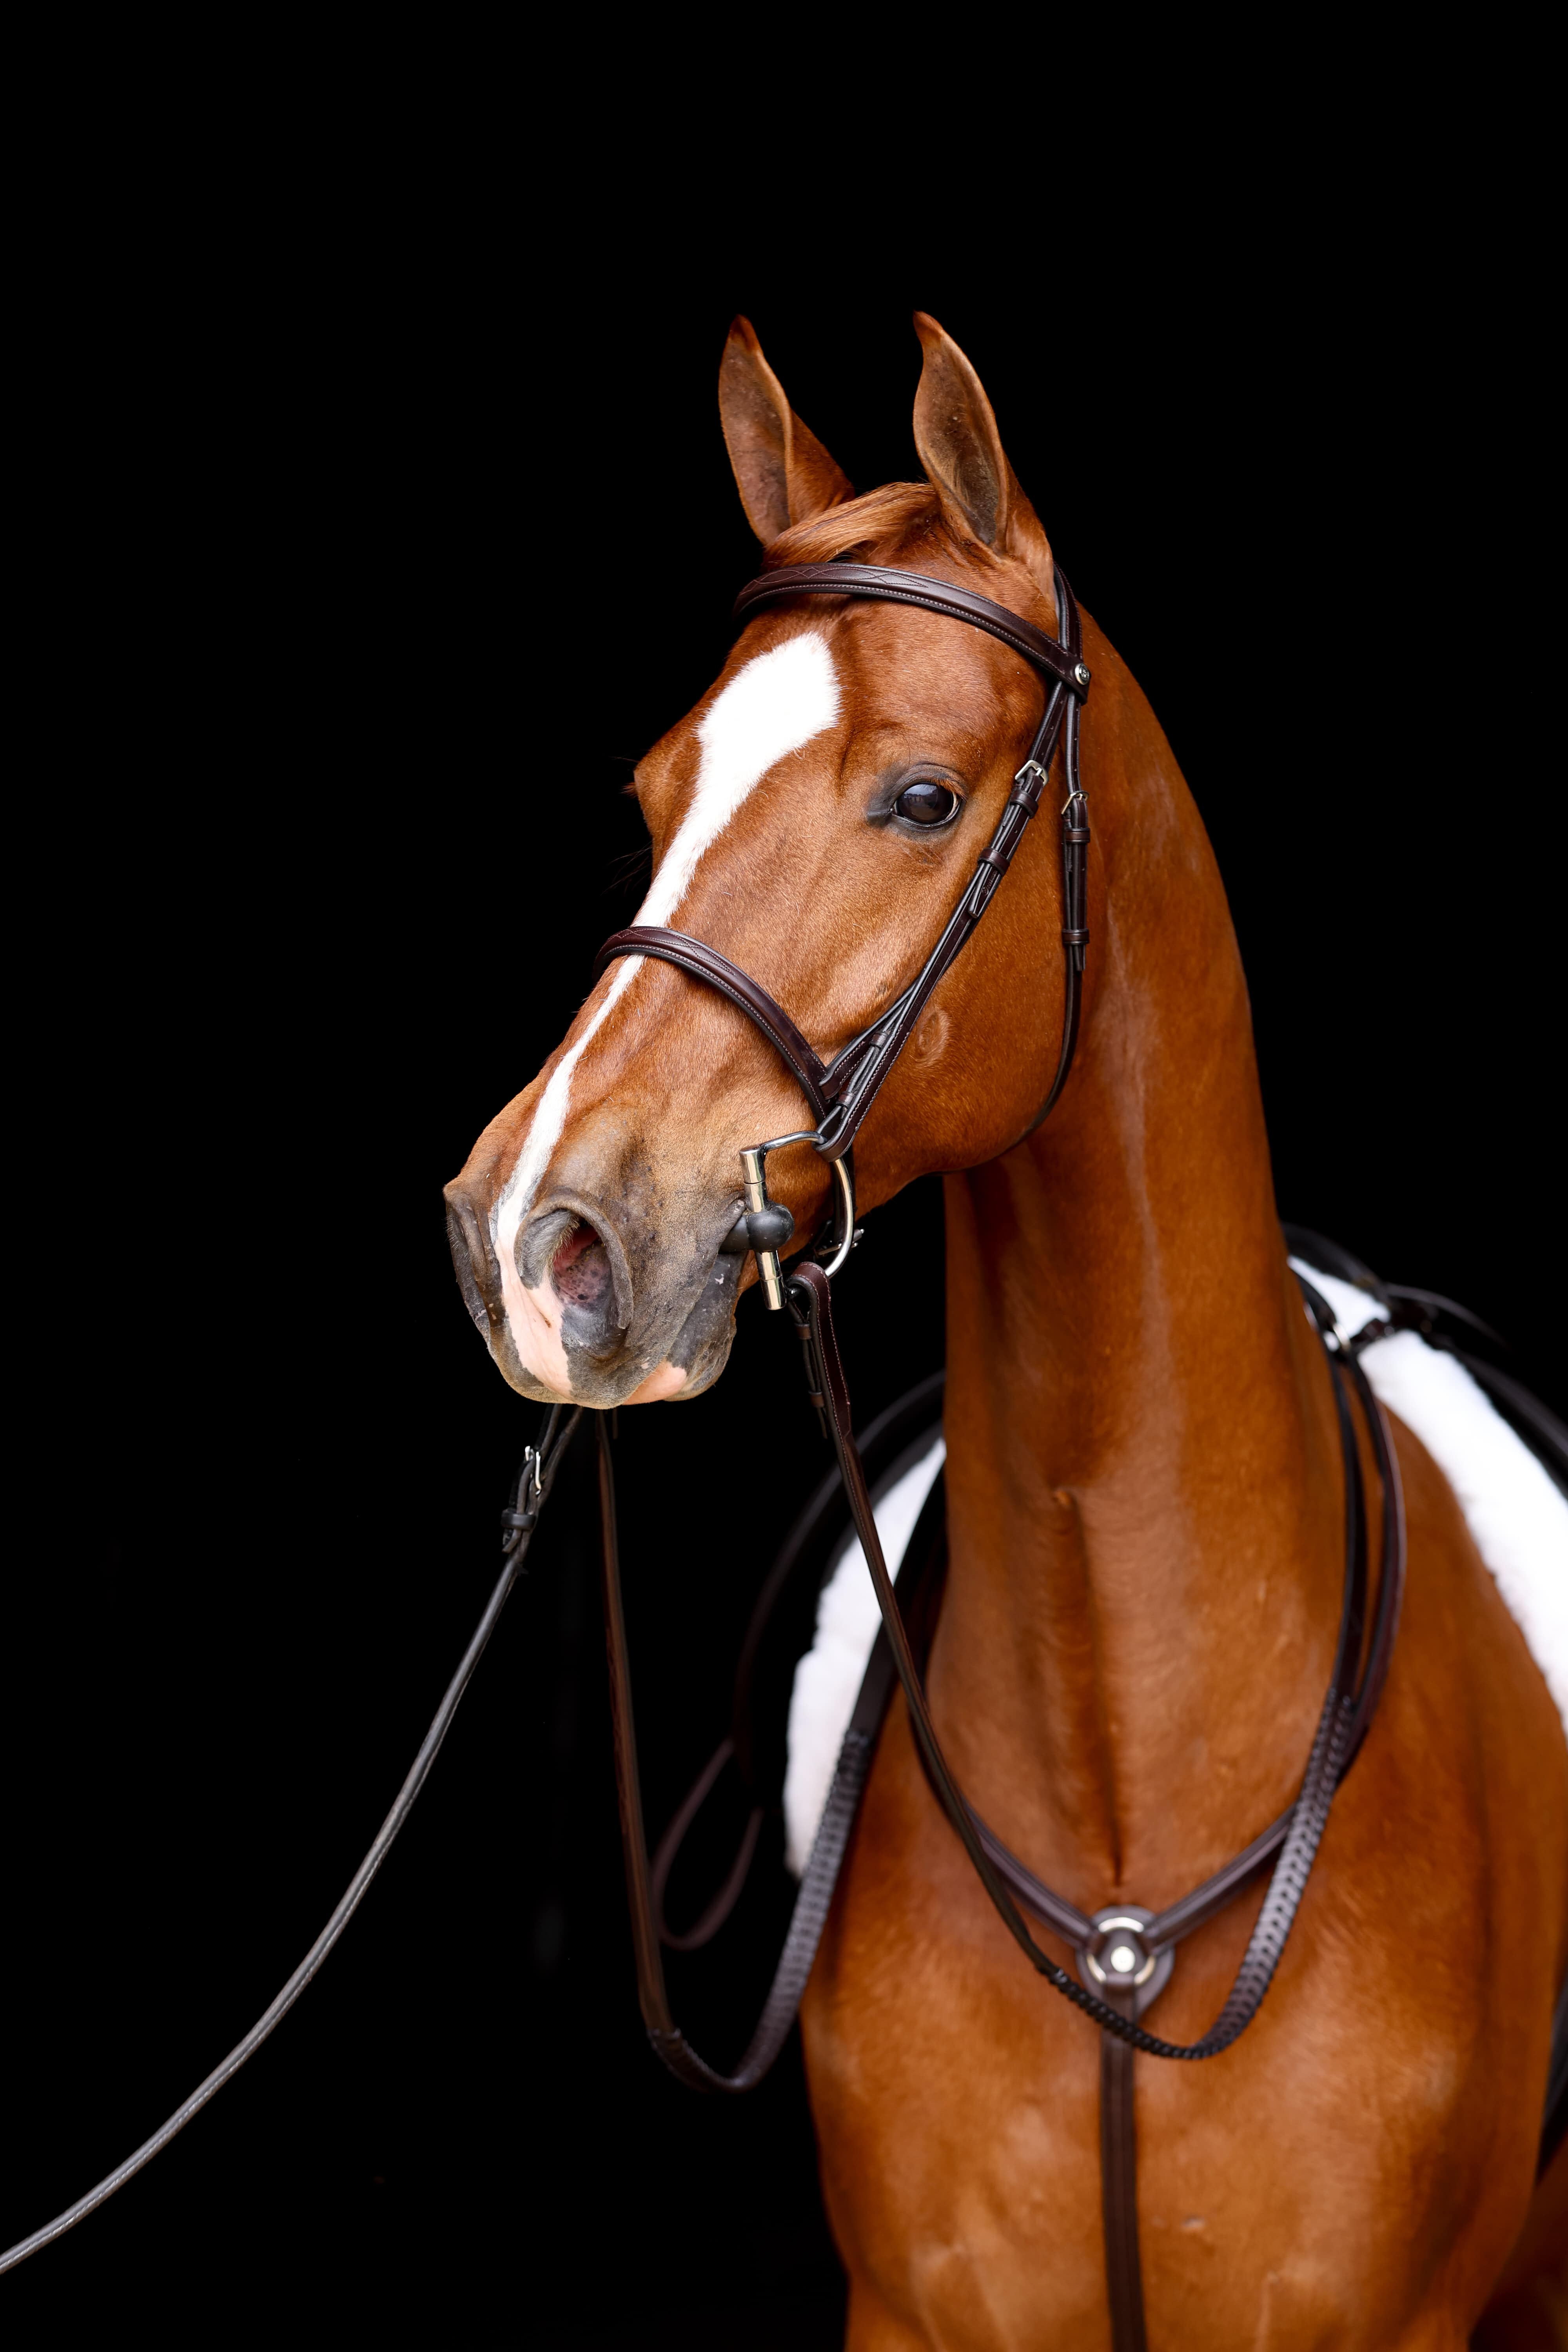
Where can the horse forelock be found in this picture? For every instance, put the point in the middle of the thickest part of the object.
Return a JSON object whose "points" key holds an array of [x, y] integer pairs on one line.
{"points": [[895, 519]]}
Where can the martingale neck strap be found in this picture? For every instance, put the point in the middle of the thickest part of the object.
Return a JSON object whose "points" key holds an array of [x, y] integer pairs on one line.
{"points": [[841, 1092], [1341, 1724]]}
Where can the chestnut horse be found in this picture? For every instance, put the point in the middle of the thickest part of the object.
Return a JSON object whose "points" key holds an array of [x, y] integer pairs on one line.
{"points": [[1144, 1488]]}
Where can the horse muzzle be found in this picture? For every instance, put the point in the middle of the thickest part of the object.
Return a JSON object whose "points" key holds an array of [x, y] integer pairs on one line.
{"points": [[583, 1312]]}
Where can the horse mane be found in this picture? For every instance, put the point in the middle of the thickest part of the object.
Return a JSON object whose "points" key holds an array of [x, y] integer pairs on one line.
{"points": [[874, 527]]}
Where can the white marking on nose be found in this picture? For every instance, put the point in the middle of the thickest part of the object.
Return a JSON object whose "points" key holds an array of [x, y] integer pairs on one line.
{"points": [[770, 709]]}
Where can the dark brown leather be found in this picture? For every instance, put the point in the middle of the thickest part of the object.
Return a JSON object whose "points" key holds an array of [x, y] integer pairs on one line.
{"points": [[1119, 2186], [1061, 661], [1075, 840], [709, 1922], [705, 963]]}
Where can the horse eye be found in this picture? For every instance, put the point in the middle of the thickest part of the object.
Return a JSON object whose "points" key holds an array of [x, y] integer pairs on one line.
{"points": [[928, 803]]}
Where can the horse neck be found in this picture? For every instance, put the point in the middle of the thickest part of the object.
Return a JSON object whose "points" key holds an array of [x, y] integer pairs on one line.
{"points": [[1144, 1507]]}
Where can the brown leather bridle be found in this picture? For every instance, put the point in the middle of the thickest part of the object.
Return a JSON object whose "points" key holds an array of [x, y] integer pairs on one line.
{"points": [[842, 1091]]}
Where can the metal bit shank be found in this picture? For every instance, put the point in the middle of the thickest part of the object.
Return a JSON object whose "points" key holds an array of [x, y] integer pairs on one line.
{"points": [[755, 1183]]}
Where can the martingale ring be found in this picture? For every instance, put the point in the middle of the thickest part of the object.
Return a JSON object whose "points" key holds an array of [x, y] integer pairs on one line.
{"points": [[1120, 1939]]}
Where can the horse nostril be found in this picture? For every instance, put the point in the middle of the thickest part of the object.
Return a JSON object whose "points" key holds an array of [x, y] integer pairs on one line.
{"points": [[579, 1269], [569, 1251]]}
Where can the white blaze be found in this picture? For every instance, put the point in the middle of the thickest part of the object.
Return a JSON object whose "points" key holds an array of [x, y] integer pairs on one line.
{"points": [[770, 709]]}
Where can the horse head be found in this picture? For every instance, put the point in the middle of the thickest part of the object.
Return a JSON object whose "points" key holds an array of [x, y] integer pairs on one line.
{"points": [[814, 818]]}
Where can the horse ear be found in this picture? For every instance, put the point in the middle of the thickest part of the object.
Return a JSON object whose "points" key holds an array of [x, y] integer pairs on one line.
{"points": [[783, 472], [965, 462]]}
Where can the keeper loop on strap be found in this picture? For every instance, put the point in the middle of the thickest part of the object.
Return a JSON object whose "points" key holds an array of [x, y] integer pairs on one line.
{"points": [[1027, 786]]}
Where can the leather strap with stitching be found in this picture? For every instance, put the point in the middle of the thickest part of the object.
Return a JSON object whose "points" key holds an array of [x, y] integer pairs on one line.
{"points": [[702, 963], [1057, 657], [842, 1092]]}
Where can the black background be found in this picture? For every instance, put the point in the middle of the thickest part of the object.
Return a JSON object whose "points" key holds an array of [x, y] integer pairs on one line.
{"points": [[343, 661]]}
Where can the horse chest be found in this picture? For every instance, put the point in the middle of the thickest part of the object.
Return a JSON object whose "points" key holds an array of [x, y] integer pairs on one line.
{"points": [[958, 2114]]}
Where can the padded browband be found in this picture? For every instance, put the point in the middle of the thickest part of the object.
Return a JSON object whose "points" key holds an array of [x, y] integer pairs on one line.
{"points": [[1060, 663]]}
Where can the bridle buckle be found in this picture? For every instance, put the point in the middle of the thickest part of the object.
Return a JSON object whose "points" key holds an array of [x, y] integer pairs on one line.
{"points": [[1026, 794], [521, 1516]]}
